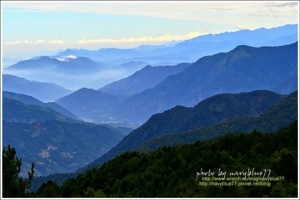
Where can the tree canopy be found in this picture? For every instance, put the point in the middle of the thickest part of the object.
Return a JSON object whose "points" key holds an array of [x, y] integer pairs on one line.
{"points": [[13, 184]]}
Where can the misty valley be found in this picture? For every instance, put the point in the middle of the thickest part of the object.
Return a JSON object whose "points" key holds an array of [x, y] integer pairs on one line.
{"points": [[145, 121]]}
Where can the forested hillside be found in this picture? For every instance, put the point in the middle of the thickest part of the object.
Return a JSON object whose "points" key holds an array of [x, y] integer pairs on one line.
{"points": [[213, 117], [172, 171], [280, 115]]}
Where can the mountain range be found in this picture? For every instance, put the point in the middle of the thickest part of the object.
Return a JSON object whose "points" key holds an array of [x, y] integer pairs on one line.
{"points": [[193, 49], [229, 82], [16, 111], [89, 104], [143, 79], [209, 115], [92, 104], [71, 71], [64, 64], [262, 113], [242, 69], [57, 146], [44, 92], [54, 142], [272, 120], [98, 68], [28, 100]]}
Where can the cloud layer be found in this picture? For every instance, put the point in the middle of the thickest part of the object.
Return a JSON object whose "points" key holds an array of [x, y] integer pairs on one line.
{"points": [[35, 42], [192, 10], [165, 38]]}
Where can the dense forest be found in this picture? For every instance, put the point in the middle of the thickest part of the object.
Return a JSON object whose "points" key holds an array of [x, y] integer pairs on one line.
{"points": [[211, 118], [177, 171], [280, 115]]}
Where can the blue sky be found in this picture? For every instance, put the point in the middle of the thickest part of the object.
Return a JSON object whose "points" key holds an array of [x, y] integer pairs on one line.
{"points": [[38, 26]]}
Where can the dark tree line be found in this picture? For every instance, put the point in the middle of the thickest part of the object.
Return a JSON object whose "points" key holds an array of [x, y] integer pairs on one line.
{"points": [[13, 184], [170, 171]]}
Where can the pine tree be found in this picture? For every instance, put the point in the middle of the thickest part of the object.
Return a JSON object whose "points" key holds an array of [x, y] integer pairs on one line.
{"points": [[13, 185]]}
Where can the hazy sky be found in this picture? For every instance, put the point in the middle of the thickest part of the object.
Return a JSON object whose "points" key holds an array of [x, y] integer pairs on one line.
{"points": [[37, 26]]}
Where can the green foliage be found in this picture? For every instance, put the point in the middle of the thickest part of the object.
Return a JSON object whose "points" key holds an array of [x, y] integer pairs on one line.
{"points": [[213, 117], [208, 112], [90, 192], [13, 185], [170, 171], [280, 115], [49, 189]]}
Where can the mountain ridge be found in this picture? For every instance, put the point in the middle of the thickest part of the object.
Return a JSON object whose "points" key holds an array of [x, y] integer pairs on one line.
{"points": [[240, 72], [16, 111], [264, 123], [143, 79], [45, 92], [242, 69], [30, 100], [57, 146], [85, 101], [127, 145]]}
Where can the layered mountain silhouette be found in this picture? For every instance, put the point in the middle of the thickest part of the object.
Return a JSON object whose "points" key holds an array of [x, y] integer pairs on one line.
{"points": [[28, 100], [89, 104], [223, 42], [71, 71], [237, 112], [271, 121], [239, 70], [44, 92], [104, 54], [16, 111], [210, 111], [227, 82], [77, 68], [54, 142], [143, 79], [242, 69], [92, 104], [64, 64], [192, 49]]}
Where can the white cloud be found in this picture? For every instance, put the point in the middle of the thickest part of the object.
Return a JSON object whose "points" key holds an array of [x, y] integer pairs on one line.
{"points": [[219, 9], [25, 42], [282, 4], [66, 58], [15, 42], [18, 42], [192, 10], [32, 42], [165, 38], [227, 13], [56, 42]]}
